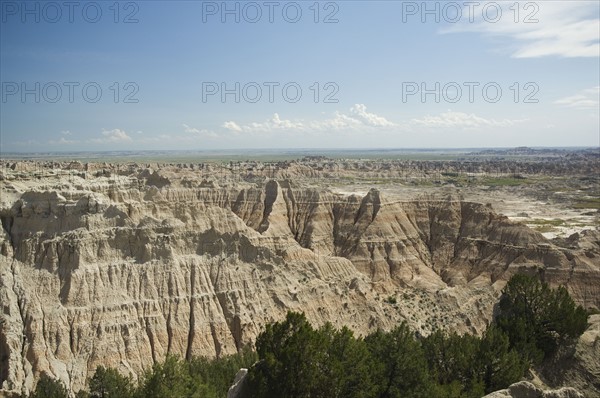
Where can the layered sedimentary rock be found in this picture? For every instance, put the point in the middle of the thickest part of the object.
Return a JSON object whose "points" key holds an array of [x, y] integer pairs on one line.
{"points": [[122, 270]]}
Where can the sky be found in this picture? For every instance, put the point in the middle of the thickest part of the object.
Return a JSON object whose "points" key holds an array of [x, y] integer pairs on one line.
{"points": [[198, 75]]}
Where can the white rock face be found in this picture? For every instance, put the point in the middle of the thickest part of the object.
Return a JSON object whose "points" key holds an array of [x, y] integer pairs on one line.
{"points": [[122, 270], [524, 389], [238, 384]]}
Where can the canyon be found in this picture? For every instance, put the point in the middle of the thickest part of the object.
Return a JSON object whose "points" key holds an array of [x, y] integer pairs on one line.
{"points": [[123, 264]]}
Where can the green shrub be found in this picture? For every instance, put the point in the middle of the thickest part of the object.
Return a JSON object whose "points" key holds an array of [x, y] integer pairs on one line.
{"points": [[109, 383], [401, 369], [538, 319], [453, 363], [296, 360], [169, 379], [500, 365], [47, 387]]}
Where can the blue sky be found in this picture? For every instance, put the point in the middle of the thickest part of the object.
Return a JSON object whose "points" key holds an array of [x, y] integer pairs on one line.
{"points": [[369, 66]]}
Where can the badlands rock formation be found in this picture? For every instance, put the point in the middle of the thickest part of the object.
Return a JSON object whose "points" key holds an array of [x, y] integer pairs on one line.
{"points": [[525, 389], [580, 368], [121, 269]]}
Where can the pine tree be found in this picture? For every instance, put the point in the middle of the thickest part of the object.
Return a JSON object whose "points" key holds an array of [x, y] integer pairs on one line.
{"points": [[402, 369], [47, 387], [501, 366], [537, 319], [109, 383]]}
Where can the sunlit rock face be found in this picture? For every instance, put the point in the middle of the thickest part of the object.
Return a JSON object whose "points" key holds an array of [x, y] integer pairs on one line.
{"points": [[121, 269]]}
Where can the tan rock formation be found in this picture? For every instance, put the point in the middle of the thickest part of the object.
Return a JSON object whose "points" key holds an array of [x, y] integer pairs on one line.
{"points": [[579, 368], [123, 268], [524, 389]]}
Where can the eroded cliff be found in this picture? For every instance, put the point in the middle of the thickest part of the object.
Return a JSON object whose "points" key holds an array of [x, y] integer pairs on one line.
{"points": [[124, 269]]}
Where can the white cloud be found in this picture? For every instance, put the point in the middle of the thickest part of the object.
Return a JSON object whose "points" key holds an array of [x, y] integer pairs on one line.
{"points": [[189, 129], [585, 99], [358, 118], [233, 126], [63, 141], [370, 119], [563, 28], [269, 125], [195, 133], [112, 136], [462, 120], [339, 121], [210, 134]]}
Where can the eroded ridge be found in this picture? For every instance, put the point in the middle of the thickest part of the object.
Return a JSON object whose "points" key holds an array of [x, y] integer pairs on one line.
{"points": [[121, 266]]}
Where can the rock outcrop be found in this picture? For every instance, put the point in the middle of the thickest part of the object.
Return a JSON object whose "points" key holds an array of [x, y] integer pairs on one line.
{"points": [[121, 270], [524, 389], [579, 368], [237, 388]]}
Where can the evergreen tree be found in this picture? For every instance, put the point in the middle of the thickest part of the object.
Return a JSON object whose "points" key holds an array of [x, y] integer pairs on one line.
{"points": [[109, 383], [288, 352], [347, 367], [402, 369], [219, 373], [451, 359], [299, 361], [47, 387], [500, 365], [537, 319], [171, 379]]}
